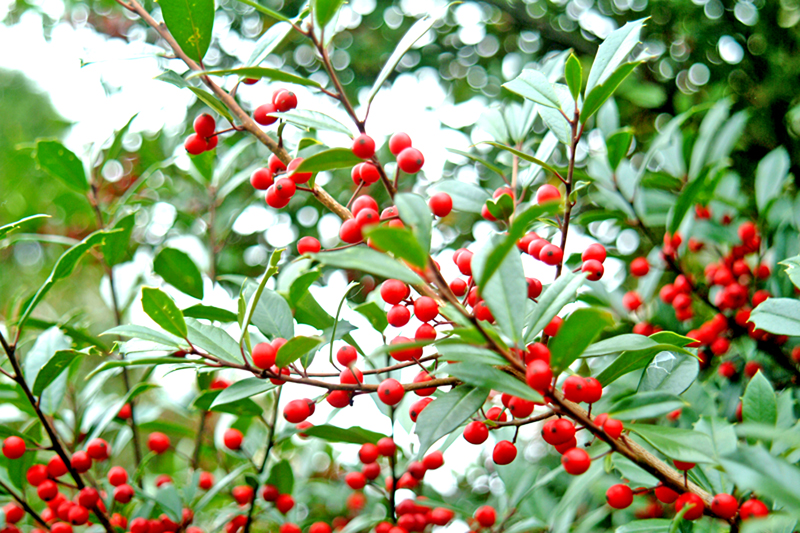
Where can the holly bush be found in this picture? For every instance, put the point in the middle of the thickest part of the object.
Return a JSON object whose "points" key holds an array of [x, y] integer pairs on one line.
{"points": [[573, 328]]}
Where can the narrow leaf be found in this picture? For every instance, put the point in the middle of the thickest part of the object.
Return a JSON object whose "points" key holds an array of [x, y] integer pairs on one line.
{"points": [[307, 119], [295, 349], [257, 73], [575, 335], [446, 413], [53, 368], [613, 52], [367, 260]]}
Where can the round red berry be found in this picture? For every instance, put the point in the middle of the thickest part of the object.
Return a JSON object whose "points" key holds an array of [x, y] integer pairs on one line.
{"points": [[441, 204], [158, 442], [547, 193], [232, 438], [539, 375], [724, 506], [296, 411], [596, 252], [753, 508], [504, 452], [13, 447], [386, 447], [695, 504], [363, 146], [486, 516], [263, 114], [284, 100], [640, 267], [264, 355], [550, 254], [410, 160], [275, 201], [399, 142], [594, 269], [261, 179], [195, 144], [619, 496], [390, 391], [476, 432], [204, 125], [426, 308], [576, 461]]}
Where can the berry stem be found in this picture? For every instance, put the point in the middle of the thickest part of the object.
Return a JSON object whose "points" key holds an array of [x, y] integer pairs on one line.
{"points": [[24, 504], [270, 443]]}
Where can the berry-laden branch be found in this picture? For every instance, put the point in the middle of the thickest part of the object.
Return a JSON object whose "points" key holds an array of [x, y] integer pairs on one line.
{"points": [[24, 504], [247, 122]]}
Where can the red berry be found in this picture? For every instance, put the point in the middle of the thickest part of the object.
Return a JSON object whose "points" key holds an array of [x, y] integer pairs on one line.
{"points": [[547, 193], [270, 493], [613, 428], [125, 412], [496, 414], [232, 439], [368, 453], [371, 470], [363, 146], [439, 516], [576, 461], [275, 164], [351, 376], [205, 482], [594, 269], [421, 378], [195, 144], [308, 245], [425, 332], [275, 201], [243, 494], [204, 125], [619, 496], [550, 254], [558, 431], [504, 452], [753, 508], [476, 432], [339, 398], [56, 467], [13, 513], [747, 231], [520, 408], [386, 447], [123, 493], [433, 460], [261, 179], [596, 252], [537, 351], [284, 100], [285, 188], [632, 301], [410, 160], [394, 291], [364, 202], [350, 231], [61, 527], [296, 411], [417, 470], [346, 355], [539, 375], [284, 503], [683, 465], [367, 217], [13, 447], [264, 355], [464, 262], [640, 267], [158, 442], [486, 516], [398, 316], [399, 142], [390, 391], [573, 388], [417, 408], [689, 499], [297, 177], [724, 506], [36, 475], [355, 480], [426, 308], [441, 204], [117, 476], [592, 390], [319, 527], [263, 116], [665, 494]]}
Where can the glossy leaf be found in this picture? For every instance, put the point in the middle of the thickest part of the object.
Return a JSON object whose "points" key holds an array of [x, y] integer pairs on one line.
{"points": [[272, 314], [178, 269], [575, 335], [240, 407], [147, 334], [331, 159], [244, 388], [191, 23], [753, 468], [489, 377], [641, 405], [116, 245], [686, 201], [209, 312], [573, 73], [211, 101], [53, 368], [215, 341], [446, 413], [759, 404], [670, 372], [681, 444], [324, 11], [163, 311], [469, 354], [374, 314], [368, 260], [534, 86], [258, 73], [617, 145], [558, 294], [62, 164], [599, 94], [352, 435], [414, 211], [792, 269], [400, 242], [295, 349], [47, 344], [780, 316], [307, 119], [771, 175], [613, 52], [140, 361]]}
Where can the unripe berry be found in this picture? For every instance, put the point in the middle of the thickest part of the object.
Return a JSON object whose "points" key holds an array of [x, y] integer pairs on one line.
{"points": [[576, 461], [410, 160], [504, 452], [441, 204], [262, 114], [619, 496], [232, 439], [363, 146], [399, 142]]}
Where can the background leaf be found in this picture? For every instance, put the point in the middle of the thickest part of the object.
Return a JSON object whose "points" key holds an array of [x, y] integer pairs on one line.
{"points": [[759, 403], [160, 307], [191, 23], [178, 269], [61, 163]]}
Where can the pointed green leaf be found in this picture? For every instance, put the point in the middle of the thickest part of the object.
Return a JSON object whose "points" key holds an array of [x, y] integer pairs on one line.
{"points": [[399, 241], [759, 403], [215, 341], [244, 388], [209, 312], [368, 260], [558, 294], [534, 86], [613, 52], [191, 23], [295, 349], [573, 73], [352, 435], [575, 335], [771, 175], [617, 145], [53, 368], [258, 73], [307, 119], [599, 94], [331, 159], [14, 226], [675, 443], [780, 316], [523, 156], [414, 211], [211, 101], [446, 413], [488, 377], [178, 269], [162, 309], [61, 163]]}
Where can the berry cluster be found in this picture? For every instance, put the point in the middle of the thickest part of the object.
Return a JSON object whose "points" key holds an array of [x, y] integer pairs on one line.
{"points": [[204, 137]]}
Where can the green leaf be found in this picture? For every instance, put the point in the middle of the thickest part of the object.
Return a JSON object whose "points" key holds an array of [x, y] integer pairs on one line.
{"points": [[598, 95], [414, 211], [301, 285], [573, 73], [162, 309], [645, 405], [47, 344], [305, 118], [414, 34], [477, 159], [399, 241], [257, 73], [680, 444], [191, 23], [618, 344], [654, 525], [295, 349], [352, 435], [272, 314], [223, 484], [367, 260], [215, 341], [631, 360], [374, 314], [147, 334], [488, 377], [469, 354], [558, 294], [759, 403], [792, 268], [329, 160], [534, 86], [575, 335], [268, 12], [14, 226], [112, 411], [771, 175], [240, 407], [324, 11], [209, 312], [752, 468], [523, 156], [282, 476], [780, 316], [63, 268], [116, 244], [244, 388], [212, 102], [116, 145], [613, 52], [173, 78], [169, 499], [501, 207], [686, 201], [467, 197], [506, 292], [446, 413], [670, 372], [53, 368], [178, 269], [55, 159], [617, 146], [141, 361]]}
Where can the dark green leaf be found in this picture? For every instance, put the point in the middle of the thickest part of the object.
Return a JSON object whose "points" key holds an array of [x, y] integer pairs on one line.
{"points": [[162, 309], [14, 226], [598, 95], [759, 403], [241, 407], [211, 101], [618, 344], [617, 145], [780, 316], [55, 159], [209, 312], [534, 86], [191, 23], [330, 159], [414, 211], [558, 294], [352, 435], [573, 73], [446, 413], [53, 368], [296, 348], [686, 200], [374, 314], [631, 360], [469, 354], [488, 377], [305, 118], [324, 11], [282, 477], [400, 242], [680, 444], [257, 73], [244, 388], [368, 260], [116, 244], [645, 405], [467, 197], [575, 335], [613, 52], [502, 207], [178, 269]]}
